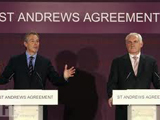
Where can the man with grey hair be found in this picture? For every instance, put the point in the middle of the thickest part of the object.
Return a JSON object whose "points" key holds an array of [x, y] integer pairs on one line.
{"points": [[133, 70]]}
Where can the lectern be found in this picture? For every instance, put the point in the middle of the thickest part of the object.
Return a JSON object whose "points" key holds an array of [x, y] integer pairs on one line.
{"points": [[142, 103], [27, 104]]}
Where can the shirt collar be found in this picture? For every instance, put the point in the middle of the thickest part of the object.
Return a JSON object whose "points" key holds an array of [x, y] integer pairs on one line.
{"points": [[28, 55], [131, 55]]}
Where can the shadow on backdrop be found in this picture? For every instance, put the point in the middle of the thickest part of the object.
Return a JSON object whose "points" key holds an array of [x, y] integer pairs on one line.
{"points": [[88, 60], [79, 95]]}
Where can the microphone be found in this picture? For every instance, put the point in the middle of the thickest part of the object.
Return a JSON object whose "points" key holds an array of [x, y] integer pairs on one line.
{"points": [[157, 75], [128, 75], [40, 80], [11, 76]]}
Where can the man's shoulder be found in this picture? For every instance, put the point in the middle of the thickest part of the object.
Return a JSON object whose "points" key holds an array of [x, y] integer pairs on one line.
{"points": [[23, 55], [121, 57], [148, 57], [15, 57], [42, 58]]}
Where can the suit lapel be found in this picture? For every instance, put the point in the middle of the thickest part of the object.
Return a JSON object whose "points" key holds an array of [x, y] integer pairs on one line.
{"points": [[127, 64], [24, 62], [38, 64], [141, 65]]}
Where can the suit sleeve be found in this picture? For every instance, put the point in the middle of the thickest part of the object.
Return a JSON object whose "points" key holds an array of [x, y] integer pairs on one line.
{"points": [[113, 78], [53, 76], [8, 72], [155, 76]]}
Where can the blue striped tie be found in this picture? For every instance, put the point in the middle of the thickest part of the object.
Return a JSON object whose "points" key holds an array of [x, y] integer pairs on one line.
{"points": [[31, 66]]}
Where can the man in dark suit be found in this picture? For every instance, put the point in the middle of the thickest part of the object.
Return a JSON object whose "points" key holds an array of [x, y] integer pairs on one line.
{"points": [[30, 70], [132, 71]]}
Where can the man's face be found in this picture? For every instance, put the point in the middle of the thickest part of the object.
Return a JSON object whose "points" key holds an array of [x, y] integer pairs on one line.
{"points": [[32, 44], [134, 45]]}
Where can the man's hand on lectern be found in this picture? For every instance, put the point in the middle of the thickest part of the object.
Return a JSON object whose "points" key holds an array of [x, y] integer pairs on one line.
{"points": [[110, 101]]}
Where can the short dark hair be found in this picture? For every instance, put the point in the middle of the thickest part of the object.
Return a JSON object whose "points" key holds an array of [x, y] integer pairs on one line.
{"points": [[28, 34]]}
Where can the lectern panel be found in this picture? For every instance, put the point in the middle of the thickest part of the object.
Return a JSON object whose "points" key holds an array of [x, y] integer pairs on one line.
{"points": [[26, 112]]}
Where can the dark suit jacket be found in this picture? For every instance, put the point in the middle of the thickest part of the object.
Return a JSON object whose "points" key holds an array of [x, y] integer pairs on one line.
{"points": [[18, 67], [122, 75]]}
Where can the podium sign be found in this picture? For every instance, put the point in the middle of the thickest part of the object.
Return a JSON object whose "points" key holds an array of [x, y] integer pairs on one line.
{"points": [[26, 112], [28, 97], [27, 104], [136, 97], [141, 103]]}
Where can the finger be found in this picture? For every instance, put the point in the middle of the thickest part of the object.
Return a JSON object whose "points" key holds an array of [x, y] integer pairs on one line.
{"points": [[72, 68], [71, 75], [65, 66], [110, 104], [72, 71]]}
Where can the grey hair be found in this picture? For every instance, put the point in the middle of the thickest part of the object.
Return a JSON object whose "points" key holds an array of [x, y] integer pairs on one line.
{"points": [[28, 34], [134, 34]]}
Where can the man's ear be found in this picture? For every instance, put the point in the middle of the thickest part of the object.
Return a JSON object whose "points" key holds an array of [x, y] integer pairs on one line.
{"points": [[141, 44], [25, 44]]}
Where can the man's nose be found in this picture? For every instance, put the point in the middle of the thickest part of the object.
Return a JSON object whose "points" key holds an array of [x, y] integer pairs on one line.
{"points": [[36, 43], [132, 44]]}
